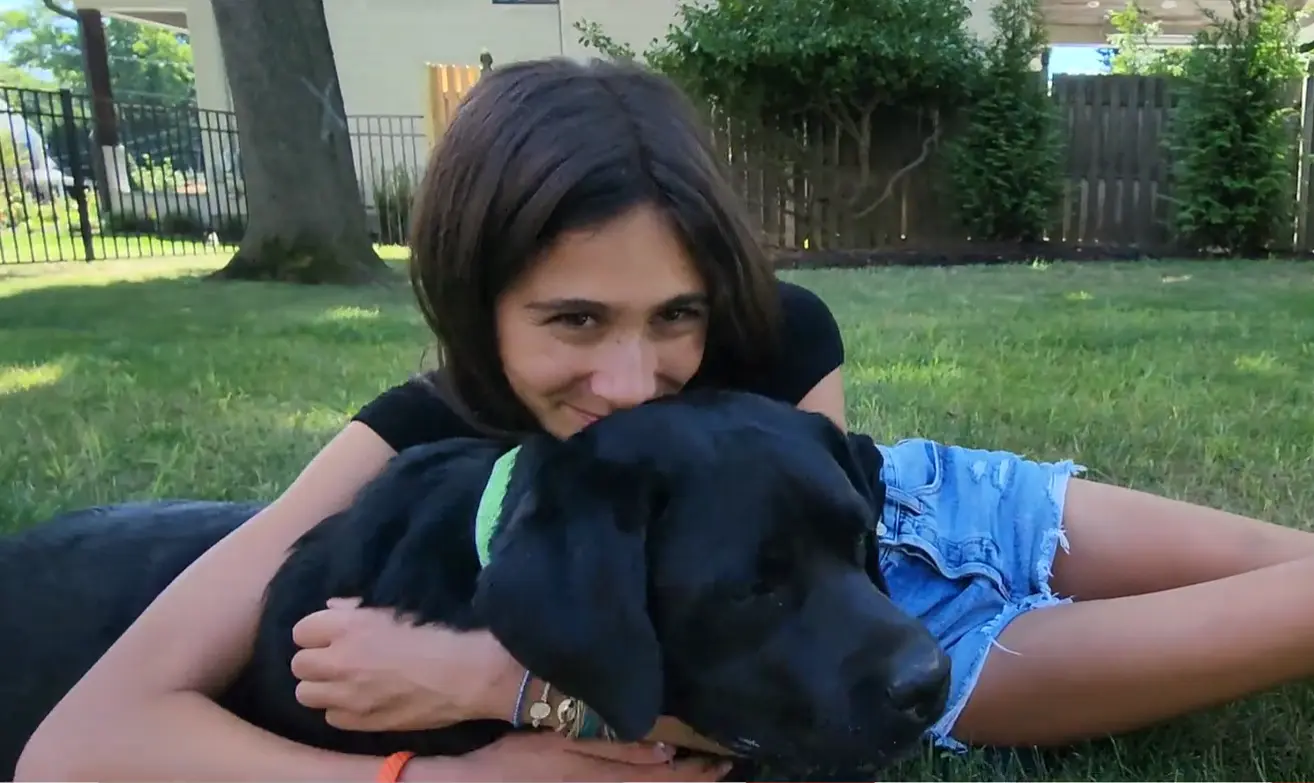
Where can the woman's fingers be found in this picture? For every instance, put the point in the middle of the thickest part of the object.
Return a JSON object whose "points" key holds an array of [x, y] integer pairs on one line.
{"points": [[319, 629], [684, 770], [625, 752], [316, 663], [656, 756], [322, 695]]}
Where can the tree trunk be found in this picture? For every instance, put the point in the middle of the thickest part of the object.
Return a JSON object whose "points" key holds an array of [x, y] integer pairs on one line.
{"points": [[305, 217]]}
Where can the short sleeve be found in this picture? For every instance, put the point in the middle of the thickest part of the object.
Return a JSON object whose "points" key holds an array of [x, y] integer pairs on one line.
{"points": [[411, 414], [811, 344]]}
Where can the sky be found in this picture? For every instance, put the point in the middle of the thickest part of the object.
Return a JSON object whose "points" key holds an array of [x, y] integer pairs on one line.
{"points": [[1075, 59]]}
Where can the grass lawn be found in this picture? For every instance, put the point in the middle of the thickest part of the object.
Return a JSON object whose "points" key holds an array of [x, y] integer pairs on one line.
{"points": [[133, 379]]}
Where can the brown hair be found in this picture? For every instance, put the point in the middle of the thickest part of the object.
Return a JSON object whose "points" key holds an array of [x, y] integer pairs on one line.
{"points": [[544, 147]]}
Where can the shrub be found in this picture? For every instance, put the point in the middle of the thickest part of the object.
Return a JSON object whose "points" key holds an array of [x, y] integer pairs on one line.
{"points": [[1232, 139], [1004, 164], [394, 190]]}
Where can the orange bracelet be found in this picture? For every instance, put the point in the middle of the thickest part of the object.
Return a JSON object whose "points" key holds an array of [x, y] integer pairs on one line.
{"points": [[392, 767]]}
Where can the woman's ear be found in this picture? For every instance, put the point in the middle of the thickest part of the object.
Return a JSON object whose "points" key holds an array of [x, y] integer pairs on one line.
{"points": [[565, 590]]}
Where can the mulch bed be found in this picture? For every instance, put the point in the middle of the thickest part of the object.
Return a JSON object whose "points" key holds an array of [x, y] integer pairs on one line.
{"points": [[965, 253]]}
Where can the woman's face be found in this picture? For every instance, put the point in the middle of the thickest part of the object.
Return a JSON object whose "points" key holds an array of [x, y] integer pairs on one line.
{"points": [[608, 318]]}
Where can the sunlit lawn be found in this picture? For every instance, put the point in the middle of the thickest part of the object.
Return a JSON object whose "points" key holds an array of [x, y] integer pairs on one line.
{"points": [[134, 379]]}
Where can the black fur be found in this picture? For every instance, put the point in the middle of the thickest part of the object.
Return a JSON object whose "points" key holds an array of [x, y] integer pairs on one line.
{"points": [[707, 556]]}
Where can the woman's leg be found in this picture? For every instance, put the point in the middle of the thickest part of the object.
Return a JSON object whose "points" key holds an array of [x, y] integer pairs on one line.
{"points": [[1179, 608], [1123, 542]]}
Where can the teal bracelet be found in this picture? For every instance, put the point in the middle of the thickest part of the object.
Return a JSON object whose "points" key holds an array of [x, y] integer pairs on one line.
{"points": [[591, 726]]}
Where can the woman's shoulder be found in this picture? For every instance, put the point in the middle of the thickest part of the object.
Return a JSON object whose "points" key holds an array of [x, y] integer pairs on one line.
{"points": [[413, 413], [810, 348], [807, 321], [811, 345]]}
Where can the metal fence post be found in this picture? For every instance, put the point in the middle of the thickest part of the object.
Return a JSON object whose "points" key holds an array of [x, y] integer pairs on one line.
{"points": [[75, 163]]}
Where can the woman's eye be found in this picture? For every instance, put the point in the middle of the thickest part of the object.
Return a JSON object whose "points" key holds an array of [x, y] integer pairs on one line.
{"points": [[678, 314], [573, 320]]}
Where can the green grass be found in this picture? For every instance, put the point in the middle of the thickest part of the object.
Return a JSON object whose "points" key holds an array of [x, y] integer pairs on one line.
{"points": [[134, 379]]}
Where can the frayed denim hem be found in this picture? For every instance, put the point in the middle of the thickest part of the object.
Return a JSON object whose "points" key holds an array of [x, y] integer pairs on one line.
{"points": [[987, 637]]}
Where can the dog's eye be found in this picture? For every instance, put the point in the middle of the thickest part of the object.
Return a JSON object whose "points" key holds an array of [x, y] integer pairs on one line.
{"points": [[774, 569], [860, 549]]}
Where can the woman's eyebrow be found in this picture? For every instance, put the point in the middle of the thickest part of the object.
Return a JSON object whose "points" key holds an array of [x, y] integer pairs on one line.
{"points": [[568, 303]]}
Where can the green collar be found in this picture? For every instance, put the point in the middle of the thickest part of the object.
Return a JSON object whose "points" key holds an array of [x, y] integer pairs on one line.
{"points": [[490, 504]]}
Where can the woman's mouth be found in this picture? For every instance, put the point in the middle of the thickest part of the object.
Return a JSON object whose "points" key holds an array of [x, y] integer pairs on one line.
{"points": [[588, 417]]}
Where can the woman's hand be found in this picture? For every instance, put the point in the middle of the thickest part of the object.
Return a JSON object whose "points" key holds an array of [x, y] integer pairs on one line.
{"points": [[370, 671], [549, 756]]}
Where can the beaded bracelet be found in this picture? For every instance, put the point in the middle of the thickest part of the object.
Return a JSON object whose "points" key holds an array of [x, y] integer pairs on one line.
{"points": [[520, 700]]}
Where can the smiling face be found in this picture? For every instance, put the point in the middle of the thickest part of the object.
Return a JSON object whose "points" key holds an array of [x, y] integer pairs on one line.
{"points": [[604, 320]]}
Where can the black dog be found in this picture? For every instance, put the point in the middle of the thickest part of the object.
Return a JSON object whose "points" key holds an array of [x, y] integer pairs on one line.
{"points": [[707, 556]]}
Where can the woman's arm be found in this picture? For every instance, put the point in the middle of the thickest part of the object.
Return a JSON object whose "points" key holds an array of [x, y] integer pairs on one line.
{"points": [[827, 398], [145, 710]]}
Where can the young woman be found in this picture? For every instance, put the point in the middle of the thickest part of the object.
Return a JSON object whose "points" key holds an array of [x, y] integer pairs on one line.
{"points": [[578, 251]]}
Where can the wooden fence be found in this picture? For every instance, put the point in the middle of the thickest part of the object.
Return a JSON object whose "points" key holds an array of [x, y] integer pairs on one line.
{"points": [[446, 86], [1116, 174], [816, 191], [1117, 186]]}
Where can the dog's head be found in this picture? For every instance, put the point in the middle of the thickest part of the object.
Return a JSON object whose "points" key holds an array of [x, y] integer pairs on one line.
{"points": [[711, 557]]}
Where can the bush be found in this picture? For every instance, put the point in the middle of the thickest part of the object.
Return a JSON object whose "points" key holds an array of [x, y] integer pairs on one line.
{"points": [[394, 190], [1004, 165], [842, 57], [866, 70], [1232, 140], [181, 224]]}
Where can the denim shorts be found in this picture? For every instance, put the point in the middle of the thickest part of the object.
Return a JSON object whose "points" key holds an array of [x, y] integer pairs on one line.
{"points": [[968, 541]]}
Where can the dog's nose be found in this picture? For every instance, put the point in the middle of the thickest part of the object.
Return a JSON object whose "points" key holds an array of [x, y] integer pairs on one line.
{"points": [[920, 685]]}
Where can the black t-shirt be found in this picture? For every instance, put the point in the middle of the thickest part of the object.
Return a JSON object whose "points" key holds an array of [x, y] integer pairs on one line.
{"points": [[412, 413]]}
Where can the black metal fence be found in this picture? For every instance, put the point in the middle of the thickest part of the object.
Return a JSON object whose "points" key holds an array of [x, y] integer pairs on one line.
{"points": [[157, 179]]}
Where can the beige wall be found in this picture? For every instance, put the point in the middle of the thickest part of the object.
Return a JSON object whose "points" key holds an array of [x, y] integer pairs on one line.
{"points": [[381, 46]]}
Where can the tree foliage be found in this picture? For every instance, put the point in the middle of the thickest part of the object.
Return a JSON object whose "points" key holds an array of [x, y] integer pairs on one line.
{"points": [[1132, 48], [145, 62], [778, 58], [1232, 137], [1004, 164], [862, 68]]}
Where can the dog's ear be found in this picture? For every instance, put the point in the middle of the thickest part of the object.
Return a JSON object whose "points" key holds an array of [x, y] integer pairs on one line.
{"points": [[858, 456], [565, 590], [862, 461]]}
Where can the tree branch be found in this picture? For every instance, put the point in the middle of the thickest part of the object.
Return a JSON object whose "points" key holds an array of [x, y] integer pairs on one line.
{"points": [[927, 145], [59, 9]]}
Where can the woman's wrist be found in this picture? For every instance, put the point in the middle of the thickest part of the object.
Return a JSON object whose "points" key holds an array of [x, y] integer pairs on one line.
{"points": [[497, 686]]}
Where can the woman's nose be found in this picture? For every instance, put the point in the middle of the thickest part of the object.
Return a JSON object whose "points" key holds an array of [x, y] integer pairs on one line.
{"points": [[626, 373]]}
